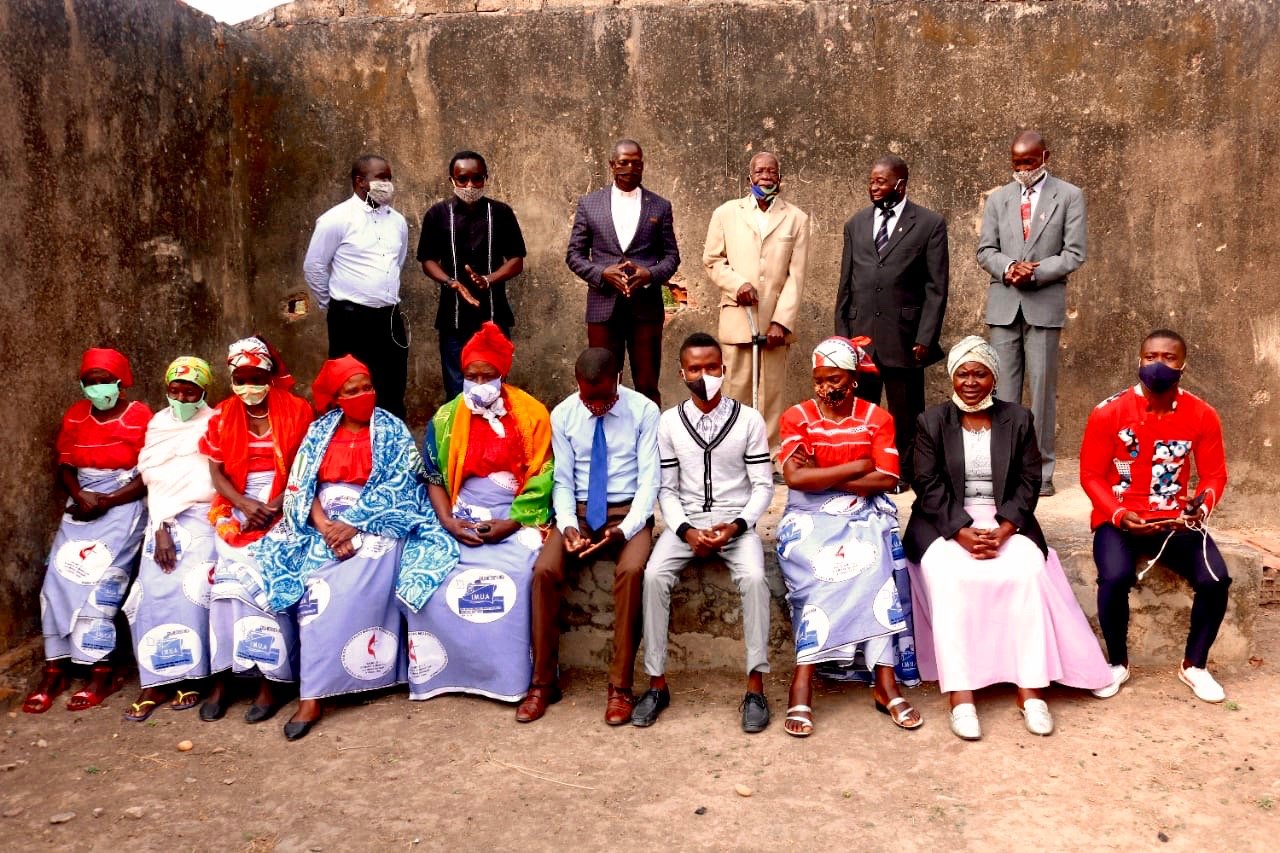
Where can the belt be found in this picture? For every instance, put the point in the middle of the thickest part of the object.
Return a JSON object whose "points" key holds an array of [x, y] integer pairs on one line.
{"points": [[356, 307]]}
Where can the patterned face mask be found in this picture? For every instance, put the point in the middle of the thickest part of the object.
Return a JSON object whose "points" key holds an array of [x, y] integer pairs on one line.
{"points": [[382, 191], [468, 194], [1028, 177], [599, 410]]}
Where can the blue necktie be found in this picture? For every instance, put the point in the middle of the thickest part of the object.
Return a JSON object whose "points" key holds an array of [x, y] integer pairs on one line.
{"points": [[598, 479]]}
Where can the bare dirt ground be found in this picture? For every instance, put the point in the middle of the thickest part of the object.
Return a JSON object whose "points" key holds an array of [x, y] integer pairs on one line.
{"points": [[1152, 765]]}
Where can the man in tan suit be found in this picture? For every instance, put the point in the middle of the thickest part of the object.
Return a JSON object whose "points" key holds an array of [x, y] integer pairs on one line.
{"points": [[756, 252]]}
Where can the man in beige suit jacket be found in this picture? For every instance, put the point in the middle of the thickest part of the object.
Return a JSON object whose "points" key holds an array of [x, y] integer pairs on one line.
{"points": [[756, 252]]}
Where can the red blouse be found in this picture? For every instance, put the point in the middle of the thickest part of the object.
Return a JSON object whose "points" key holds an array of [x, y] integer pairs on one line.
{"points": [[487, 453], [349, 457], [85, 442], [867, 433]]}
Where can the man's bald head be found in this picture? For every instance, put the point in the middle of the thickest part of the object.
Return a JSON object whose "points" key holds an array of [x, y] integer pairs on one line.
{"points": [[1028, 151]]}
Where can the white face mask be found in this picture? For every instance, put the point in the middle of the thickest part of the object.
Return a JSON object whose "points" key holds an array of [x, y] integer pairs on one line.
{"points": [[382, 191], [469, 194], [705, 387], [485, 400], [252, 395]]}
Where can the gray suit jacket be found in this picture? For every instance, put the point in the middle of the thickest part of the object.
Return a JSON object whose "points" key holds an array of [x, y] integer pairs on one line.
{"points": [[1057, 241]]}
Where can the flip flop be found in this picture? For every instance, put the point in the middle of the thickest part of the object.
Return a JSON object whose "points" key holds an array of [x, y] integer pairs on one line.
{"points": [[84, 699], [39, 701], [139, 711], [792, 717], [185, 700], [901, 716]]}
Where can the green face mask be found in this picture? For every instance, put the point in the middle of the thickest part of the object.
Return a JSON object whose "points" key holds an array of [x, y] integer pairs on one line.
{"points": [[183, 411], [103, 396]]}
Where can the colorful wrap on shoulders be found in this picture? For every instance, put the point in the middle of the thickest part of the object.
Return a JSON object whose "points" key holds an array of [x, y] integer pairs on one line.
{"points": [[227, 441], [393, 503], [445, 452]]}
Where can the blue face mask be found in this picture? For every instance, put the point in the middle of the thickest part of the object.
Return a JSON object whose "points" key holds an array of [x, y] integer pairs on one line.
{"points": [[765, 193], [1158, 376], [103, 395]]}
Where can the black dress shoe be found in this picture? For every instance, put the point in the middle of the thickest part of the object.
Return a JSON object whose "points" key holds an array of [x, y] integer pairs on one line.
{"points": [[211, 711], [1047, 490], [297, 731], [649, 707], [261, 713], [755, 713]]}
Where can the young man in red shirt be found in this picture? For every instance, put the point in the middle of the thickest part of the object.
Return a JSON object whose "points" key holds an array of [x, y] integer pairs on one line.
{"points": [[1135, 465]]}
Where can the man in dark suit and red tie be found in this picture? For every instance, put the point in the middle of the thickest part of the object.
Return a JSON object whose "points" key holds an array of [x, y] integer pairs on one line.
{"points": [[623, 245], [893, 289]]}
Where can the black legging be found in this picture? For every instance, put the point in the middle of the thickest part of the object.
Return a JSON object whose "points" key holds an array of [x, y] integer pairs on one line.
{"points": [[1116, 554]]}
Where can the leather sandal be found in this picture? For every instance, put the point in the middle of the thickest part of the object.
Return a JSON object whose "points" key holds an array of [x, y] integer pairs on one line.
{"points": [[793, 716], [536, 702], [899, 710]]}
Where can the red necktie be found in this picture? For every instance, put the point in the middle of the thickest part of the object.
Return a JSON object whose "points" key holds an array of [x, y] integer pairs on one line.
{"points": [[1026, 214]]}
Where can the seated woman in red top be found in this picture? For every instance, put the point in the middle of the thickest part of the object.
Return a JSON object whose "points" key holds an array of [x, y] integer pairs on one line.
{"points": [[96, 548], [1135, 466], [251, 442], [838, 544]]}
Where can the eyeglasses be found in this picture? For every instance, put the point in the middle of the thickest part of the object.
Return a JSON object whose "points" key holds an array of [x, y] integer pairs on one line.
{"points": [[470, 181]]}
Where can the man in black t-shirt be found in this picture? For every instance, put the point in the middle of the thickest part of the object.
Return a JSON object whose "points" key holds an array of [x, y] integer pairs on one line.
{"points": [[471, 246]]}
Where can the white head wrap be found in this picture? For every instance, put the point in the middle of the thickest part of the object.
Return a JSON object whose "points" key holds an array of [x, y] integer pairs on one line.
{"points": [[250, 352], [844, 353], [973, 348]]}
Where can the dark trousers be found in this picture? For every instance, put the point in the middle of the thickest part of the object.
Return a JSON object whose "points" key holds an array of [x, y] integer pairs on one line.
{"points": [[641, 338], [377, 337], [628, 595], [904, 398], [1116, 553], [451, 343]]}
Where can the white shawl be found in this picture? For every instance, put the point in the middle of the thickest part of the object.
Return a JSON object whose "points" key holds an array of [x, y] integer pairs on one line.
{"points": [[174, 470]]}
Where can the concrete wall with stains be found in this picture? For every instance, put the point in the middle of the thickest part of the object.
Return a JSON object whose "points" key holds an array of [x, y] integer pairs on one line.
{"points": [[127, 130], [1166, 113]]}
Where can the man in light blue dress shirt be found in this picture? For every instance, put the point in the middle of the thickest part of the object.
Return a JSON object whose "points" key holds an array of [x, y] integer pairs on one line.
{"points": [[605, 441]]}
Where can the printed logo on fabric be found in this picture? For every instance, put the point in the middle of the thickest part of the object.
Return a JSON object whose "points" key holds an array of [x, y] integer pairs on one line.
{"points": [[841, 505], [370, 654], [196, 584], [338, 499], [480, 595], [83, 561], [258, 642], [132, 603], [814, 627], [109, 593], [504, 480], [887, 606], [375, 546], [427, 657], [93, 636], [181, 542], [171, 650], [314, 601], [845, 560], [793, 530]]}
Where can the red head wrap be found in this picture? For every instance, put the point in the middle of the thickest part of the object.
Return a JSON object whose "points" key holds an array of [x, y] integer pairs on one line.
{"points": [[333, 375], [109, 360], [489, 344]]}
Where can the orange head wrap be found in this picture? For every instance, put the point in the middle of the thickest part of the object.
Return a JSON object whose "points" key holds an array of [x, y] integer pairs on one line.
{"points": [[109, 360], [489, 344], [333, 375]]}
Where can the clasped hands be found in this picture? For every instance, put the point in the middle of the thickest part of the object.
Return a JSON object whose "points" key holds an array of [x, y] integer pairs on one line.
{"points": [[706, 542], [625, 277], [983, 543], [582, 546], [475, 533], [1021, 273]]}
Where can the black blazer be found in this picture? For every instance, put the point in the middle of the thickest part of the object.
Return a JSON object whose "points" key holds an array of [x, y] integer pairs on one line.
{"points": [[897, 299], [939, 479], [593, 245]]}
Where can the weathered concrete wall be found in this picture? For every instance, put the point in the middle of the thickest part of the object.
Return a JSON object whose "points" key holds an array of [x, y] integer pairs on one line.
{"points": [[127, 130], [1165, 112]]}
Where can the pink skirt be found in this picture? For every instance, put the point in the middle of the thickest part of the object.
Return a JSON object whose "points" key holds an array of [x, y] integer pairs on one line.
{"points": [[1012, 619]]}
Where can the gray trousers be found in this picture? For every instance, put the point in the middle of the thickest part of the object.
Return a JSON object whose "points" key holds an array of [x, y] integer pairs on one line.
{"points": [[1031, 351], [745, 558]]}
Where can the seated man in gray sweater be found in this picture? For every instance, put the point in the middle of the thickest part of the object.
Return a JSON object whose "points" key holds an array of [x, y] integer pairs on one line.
{"points": [[717, 481]]}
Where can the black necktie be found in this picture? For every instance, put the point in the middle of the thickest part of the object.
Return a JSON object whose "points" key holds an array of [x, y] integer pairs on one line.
{"points": [[882, 236]]}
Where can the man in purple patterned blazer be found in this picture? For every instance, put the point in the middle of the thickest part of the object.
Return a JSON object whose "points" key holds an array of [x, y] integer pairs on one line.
{"points": [[623, 245]]}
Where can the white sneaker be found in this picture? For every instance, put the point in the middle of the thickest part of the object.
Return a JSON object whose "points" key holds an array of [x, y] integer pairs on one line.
{"points": [[1119, 675], [1039, 720], [964, 722], [1202, 684]]}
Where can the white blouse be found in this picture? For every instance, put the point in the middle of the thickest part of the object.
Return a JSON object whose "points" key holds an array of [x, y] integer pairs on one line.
{"points": [[978, 485]]}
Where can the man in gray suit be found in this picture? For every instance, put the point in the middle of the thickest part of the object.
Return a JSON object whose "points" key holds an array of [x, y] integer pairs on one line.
{"points": [[1033, 237]]}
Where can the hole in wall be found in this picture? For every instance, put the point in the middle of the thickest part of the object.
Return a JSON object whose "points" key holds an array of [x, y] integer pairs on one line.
{"points": [[296, 306]]}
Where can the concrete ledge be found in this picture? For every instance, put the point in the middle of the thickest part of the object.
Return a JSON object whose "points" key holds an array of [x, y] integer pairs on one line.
{"points": [[705, 608]]}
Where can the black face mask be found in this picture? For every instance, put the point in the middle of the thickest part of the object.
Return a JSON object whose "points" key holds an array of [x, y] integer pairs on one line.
{"points": [[1158, 376]]}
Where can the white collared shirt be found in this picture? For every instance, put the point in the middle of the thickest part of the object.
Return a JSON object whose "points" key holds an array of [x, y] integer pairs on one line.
{"points": [[762, 216], [356, 253], [895, 213], [626, 214], [1036, 190]]}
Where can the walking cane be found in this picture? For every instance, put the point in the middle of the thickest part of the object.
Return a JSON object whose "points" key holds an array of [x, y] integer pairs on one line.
{"points": [[756, 342]]}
